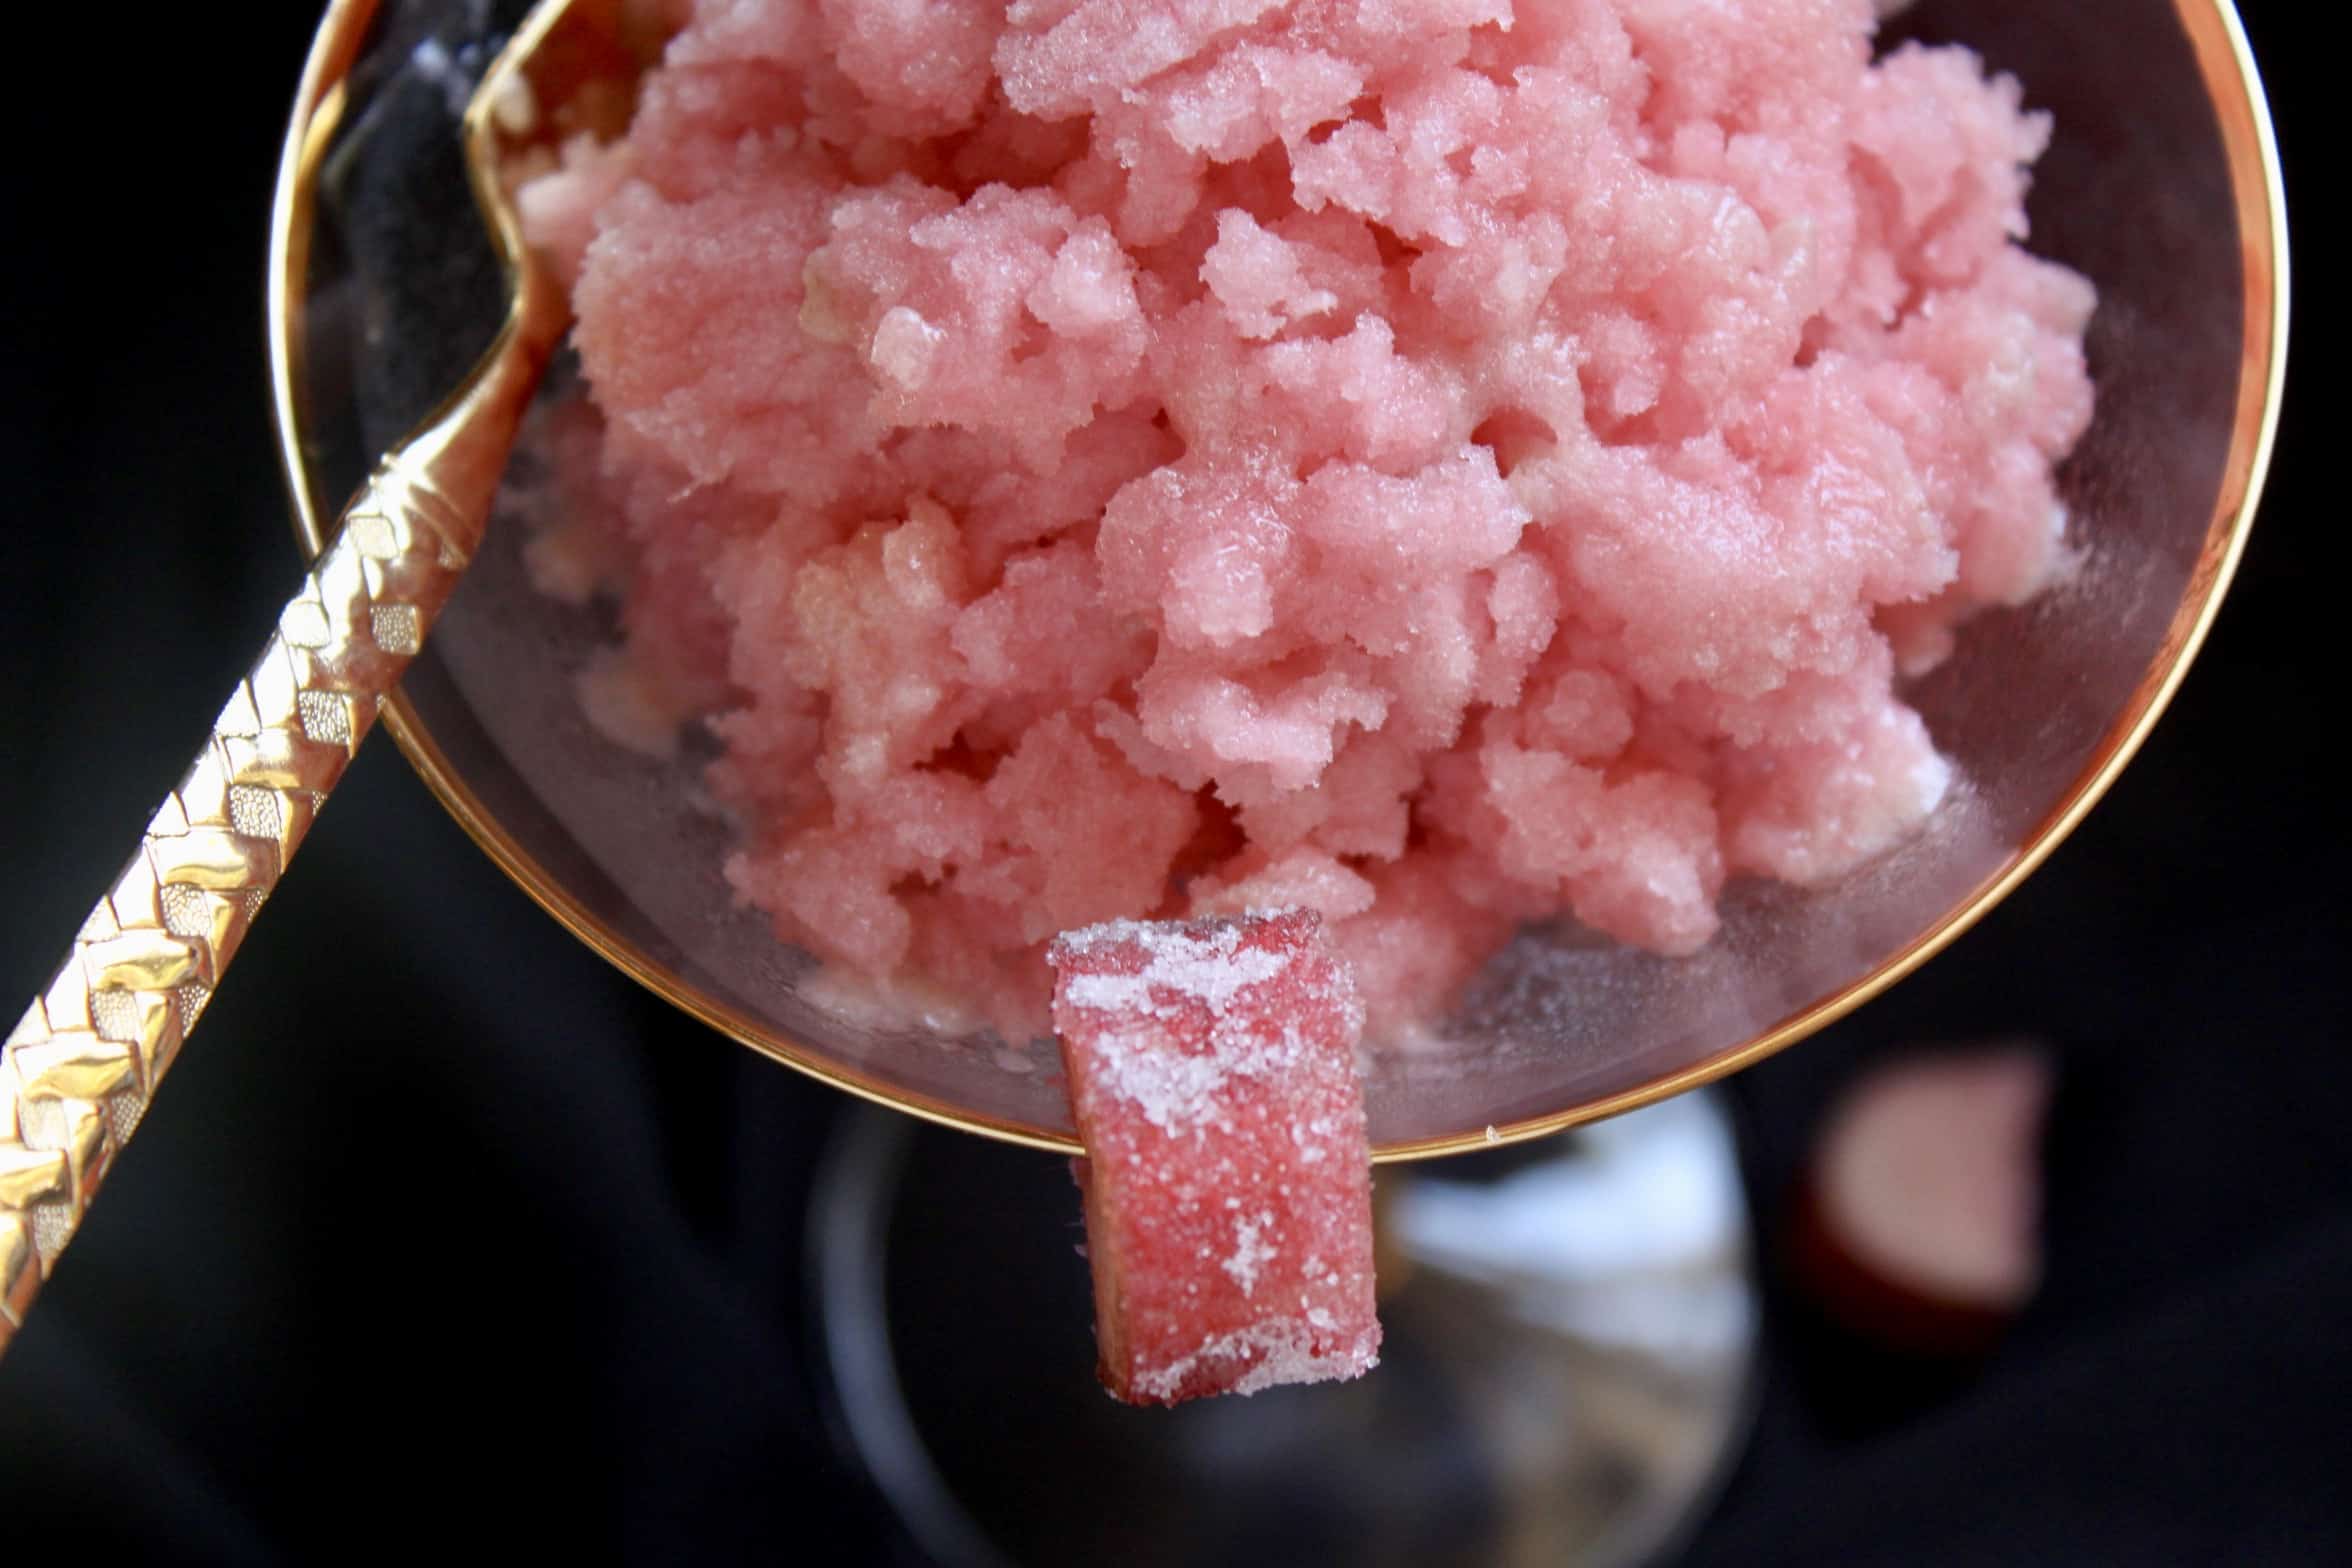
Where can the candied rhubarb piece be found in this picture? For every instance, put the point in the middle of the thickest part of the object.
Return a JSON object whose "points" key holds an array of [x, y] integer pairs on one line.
{"points": [[1228, 1175]]}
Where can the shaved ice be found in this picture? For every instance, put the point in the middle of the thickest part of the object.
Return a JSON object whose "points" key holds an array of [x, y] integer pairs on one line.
{"points": [[1439, 465]]}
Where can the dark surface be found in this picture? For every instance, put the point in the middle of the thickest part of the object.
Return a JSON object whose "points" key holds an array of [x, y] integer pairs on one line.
{"points": [[443, 1235]]}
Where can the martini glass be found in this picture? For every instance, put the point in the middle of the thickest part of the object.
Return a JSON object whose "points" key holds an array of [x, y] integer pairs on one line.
{"points": [[2161, 186]]}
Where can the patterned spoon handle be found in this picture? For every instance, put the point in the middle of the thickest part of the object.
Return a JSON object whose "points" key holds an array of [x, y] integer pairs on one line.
{"points": [[80, 1069], [77, 1073]]}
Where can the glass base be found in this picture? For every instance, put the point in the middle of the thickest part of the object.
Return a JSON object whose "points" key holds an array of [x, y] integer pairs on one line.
{"points": [[1567, 1371]]}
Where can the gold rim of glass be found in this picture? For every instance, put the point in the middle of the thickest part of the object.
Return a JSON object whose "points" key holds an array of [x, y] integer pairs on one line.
{"points": [[2249, 141]]}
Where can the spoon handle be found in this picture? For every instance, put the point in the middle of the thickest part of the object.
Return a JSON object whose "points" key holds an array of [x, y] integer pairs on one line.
{"points": [[77, 1073]]}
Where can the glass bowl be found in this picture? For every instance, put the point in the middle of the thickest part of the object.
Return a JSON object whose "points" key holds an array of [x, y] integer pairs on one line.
{"points": [[2161, 185]]}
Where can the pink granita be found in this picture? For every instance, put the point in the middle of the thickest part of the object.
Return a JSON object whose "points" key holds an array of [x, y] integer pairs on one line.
{"points": [[1440, 465]]}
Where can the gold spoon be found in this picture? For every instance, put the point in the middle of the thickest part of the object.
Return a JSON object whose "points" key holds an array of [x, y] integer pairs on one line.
{"points": [[77, 1073]]}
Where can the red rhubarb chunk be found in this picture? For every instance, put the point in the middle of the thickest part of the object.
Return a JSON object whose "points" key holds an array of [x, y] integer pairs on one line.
{"points": [[1228, 1176]]}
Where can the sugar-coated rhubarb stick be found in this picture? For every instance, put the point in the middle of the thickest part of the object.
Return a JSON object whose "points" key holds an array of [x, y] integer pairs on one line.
{"points": [[1228, 1175]]}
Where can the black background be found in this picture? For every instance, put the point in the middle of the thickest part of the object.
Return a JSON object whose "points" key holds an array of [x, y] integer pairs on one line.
{"points": [[444, 1236]]}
